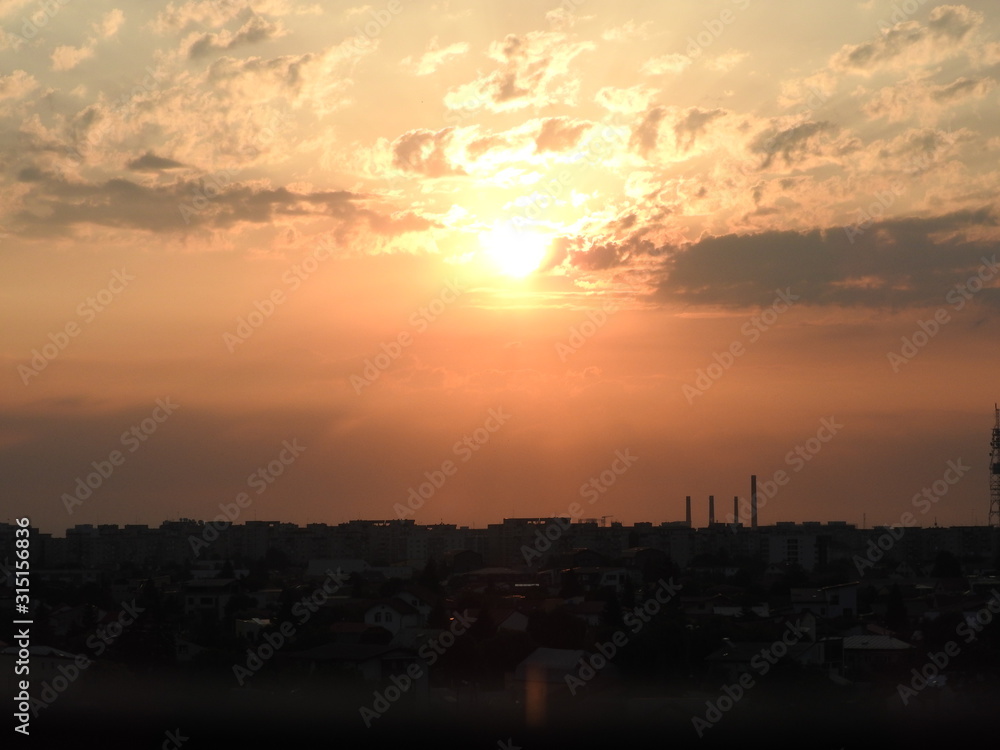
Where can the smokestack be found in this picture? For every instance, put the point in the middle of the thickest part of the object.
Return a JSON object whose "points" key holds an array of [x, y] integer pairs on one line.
{"points": [[688, 516], [753, 501], [711, 509], [736, 509]]}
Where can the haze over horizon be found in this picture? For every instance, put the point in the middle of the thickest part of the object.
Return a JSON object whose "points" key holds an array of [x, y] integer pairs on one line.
{"points": [[503, 242]]}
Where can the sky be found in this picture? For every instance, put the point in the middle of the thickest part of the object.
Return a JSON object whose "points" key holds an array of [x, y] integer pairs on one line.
{"points": [[458, 261]]}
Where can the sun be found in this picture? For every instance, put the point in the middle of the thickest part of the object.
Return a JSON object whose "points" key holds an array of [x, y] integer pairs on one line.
{"points": [[514, 252]]}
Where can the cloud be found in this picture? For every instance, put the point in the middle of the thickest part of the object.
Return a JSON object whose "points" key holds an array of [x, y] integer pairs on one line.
{"points": [[256, 29], [214, 14], [658, 66], [631, 100], [55, 206], [66, 57], [535, 70], [425, 152], [433, 58], [693, 124], [629, 31], [918, 97], [560, 134], [16, 85], [149, 162], [645, 135], [600, 257], [910, 43], [110, 24], [727, 61], [893, 264], [793, 144], [318, 79]]}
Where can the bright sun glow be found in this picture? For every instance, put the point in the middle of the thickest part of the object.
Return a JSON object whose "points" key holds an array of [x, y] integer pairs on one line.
{"points": [[514, 253]]}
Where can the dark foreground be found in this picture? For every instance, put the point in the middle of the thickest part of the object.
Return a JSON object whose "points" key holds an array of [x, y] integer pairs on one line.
{"points": [[185, 716]]}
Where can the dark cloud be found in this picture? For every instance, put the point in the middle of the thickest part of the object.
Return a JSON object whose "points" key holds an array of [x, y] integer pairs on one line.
{"points": [[793, 144], [693, 123], [149, 162], [953, 21], [610, 254], [57, 205], [889, 264], [961, 88], [425, 152], [646, 134]]}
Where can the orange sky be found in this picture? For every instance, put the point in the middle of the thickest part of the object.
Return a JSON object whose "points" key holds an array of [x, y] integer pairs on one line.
{"points": [[578, 215]]}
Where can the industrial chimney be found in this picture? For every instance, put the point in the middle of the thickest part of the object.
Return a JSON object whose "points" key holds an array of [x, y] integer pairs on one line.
{"points": [[688, 516], [736, 509], [753, 501], [711, 509]]}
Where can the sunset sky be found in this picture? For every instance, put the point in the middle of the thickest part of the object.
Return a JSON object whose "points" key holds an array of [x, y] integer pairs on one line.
{"points": [[696, 233]]}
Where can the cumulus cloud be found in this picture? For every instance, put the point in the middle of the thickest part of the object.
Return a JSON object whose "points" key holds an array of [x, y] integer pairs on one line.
{"points": [[693, 124], [645, 135], [727, 61], [67, 57], [631, 100], [910, 42], [560, 134], [535, 70], [256, 29], [425, 152], [925, 100], [629, 31], [110, 23], [434, 57], [658, 66], [793, 143]]}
